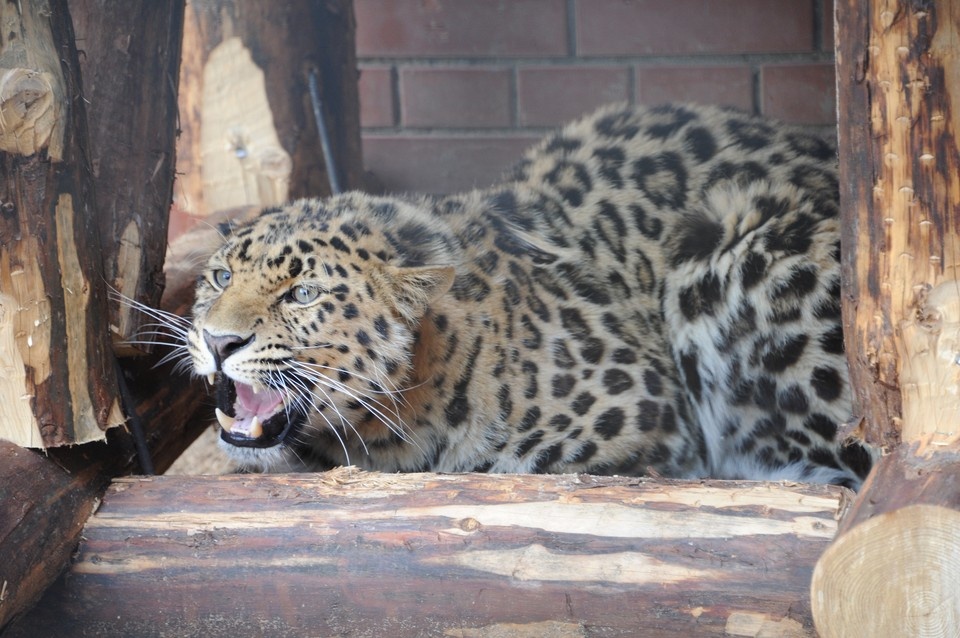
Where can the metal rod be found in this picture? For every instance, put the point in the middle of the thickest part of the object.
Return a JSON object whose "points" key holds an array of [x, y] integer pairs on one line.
{"points": [[136, 424], [324, 134]]}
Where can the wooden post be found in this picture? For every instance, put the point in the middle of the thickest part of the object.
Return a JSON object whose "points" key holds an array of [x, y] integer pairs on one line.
{"points": [[895, 571], [249, 135], [57, 381], [349, 553], [130, 64]]}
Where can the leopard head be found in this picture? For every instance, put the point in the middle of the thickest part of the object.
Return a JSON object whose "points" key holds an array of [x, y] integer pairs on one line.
{"points": [[305, 323]]}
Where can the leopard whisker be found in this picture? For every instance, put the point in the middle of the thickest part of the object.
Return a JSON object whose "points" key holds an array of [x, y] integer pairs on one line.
{"points": [[301, 385], [338, 385], [367, 402]]}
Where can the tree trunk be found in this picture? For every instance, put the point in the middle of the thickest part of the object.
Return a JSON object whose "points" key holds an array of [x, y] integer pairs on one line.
{"points": [[352, 553], [897, 69], [130, 63], [58, 385], [249, 134]]}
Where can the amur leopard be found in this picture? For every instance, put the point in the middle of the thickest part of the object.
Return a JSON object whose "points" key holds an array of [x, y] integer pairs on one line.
{"points": [[649, 291]]}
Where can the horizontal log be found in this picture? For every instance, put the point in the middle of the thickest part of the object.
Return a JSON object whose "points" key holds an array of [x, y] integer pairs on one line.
{"points": [[40, 523], [350, 553]]}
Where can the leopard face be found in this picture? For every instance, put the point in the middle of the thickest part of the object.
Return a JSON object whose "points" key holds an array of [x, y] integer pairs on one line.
{"points": [[651, 290], [304, 336]]}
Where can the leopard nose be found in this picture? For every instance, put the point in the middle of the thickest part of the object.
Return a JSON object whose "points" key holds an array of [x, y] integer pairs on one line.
{"points": [[222, 346]]}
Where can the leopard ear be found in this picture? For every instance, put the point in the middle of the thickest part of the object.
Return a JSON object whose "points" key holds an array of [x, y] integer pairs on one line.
{"points": [[413, 289]]}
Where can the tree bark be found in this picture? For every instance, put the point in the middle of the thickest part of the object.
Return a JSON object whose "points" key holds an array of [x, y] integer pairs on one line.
{"points": [[130, 63], [58, 385], [894, 570], [45, 500], [42, 511], [249, 136], [353, 553]]}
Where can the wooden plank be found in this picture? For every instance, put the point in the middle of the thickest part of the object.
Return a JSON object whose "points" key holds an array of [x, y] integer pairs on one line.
{"points": [[58, 385], [364, 554], [130, 63]]}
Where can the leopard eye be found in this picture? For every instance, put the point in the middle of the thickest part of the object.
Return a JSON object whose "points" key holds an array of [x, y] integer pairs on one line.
{"points": [[221, 278], [304, 294]]}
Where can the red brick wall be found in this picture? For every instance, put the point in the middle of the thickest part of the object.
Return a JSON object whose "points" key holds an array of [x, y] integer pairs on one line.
{"points": [[452, 91]]}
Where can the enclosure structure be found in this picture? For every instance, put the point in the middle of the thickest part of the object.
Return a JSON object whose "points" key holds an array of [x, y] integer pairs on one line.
{"points": [[346, 552]]}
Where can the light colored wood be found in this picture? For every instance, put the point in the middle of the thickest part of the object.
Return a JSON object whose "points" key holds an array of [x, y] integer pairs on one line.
{"points": [[363, 554], [894, 569], [919, 542], [241, 159], [57, 383], [248, 132], [32, 87], [900, 181]]}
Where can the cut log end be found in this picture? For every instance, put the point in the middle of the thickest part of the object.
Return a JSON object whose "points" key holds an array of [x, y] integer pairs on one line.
{"points": [[897, 574], [28, 111]]}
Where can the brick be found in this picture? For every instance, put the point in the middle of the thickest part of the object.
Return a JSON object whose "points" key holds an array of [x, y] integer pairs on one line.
{"points": [[828, 18], [659, 27], [727, 85], [460, 28], [801, 93], [549, 96], [458, 97], [376, 96], [441, 164]]}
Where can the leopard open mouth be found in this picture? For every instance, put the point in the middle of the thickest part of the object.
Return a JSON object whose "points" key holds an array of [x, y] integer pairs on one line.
{"points": [[253, 418]]}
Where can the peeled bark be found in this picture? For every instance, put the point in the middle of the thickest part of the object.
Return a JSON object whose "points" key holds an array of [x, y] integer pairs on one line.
{"points": [[58, 385], [353, 553], [894, 568], [130, 62], [249, 135]]}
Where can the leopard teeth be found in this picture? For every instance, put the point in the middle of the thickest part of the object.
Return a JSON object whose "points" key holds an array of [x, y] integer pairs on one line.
{"points": [[212, 378], [226, 421], [256, 429]]}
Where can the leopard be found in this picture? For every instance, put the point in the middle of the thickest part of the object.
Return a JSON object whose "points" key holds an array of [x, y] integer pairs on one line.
{"points": [[650, 291]]}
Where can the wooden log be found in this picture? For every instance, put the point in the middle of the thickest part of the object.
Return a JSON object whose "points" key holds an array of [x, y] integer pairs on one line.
{"points": [[130, 62], [895, 571], [45, 500], [900, 181], [58, 385], [40, 524], [249, 135], [895, 568], [357, 554]]}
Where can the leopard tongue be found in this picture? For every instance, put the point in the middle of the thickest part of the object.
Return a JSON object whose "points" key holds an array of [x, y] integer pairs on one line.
{"points": [[262, 403], [252, 409]]}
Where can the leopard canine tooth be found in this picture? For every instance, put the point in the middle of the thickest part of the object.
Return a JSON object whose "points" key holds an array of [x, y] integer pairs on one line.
{"points": [[256, 429], [226, 421], [212, 378]]}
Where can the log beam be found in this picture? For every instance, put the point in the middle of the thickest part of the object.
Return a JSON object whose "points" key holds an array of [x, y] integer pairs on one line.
{"points": [[894, 569], [130, 62], [248, 130], [353, 553], [57, 380]]}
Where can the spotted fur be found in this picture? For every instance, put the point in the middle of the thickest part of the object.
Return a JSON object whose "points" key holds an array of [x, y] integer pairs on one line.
{"points": [[650, 290]]}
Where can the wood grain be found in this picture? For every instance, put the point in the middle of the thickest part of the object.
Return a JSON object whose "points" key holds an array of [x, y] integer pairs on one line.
{"points": [[364, 554]]}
